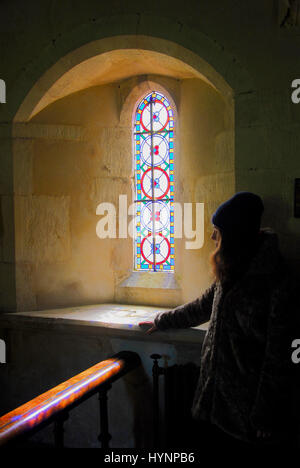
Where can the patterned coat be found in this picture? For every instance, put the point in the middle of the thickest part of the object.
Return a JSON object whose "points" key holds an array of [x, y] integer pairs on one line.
{"points": [[245, 371]]}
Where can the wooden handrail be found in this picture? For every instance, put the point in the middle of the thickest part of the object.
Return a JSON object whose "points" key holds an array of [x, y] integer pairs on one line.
{"points": [[65, 396]]}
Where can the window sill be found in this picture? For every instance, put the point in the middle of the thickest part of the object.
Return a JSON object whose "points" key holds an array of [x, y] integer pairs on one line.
{"points": [[114, 320], [150, 280]]}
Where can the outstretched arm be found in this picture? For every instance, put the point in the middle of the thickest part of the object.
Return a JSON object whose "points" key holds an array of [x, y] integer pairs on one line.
{"points": [[188, 315]]}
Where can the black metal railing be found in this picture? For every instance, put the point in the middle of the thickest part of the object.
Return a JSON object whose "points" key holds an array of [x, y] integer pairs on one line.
{"points": [[54, 405], [173, 426]]}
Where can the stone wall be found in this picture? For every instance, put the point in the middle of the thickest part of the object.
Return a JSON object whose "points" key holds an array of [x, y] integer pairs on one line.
{"points": [[77, 153], [241, 50]]}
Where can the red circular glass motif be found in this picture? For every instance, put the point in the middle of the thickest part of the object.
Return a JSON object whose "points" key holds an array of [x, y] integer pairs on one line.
{"points": [[154, 116], [168, 244], [168, 182]]}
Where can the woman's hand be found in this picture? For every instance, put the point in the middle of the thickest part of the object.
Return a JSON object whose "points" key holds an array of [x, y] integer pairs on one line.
{"points": [[152, 328]]}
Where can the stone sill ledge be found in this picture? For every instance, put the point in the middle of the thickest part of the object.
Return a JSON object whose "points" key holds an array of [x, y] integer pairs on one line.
{"points": [[150, 280], [115, 320]]}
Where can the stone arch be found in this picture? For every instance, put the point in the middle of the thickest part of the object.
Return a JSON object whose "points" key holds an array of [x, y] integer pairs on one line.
{"points": [[134, 96], [196, 50]]}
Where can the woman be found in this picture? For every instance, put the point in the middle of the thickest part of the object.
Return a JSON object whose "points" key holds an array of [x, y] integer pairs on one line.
{"points": [[244, 383]]}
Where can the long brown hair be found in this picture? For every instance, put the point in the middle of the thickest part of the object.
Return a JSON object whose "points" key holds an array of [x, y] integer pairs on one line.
{"points": [[232, 256]]}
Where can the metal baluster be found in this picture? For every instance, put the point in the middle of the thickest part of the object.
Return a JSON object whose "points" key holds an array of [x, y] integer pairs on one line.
{"points": [[104, 436], [156, 371], [59, 429]]}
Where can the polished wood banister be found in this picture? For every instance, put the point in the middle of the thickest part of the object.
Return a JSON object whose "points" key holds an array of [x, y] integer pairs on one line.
{"points": [[65, 396]]}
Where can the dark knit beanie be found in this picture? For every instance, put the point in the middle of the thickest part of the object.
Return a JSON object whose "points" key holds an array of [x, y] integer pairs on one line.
{"points": [[240, 214]]}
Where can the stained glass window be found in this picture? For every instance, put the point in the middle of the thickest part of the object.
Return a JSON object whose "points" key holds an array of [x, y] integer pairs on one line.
{"points": [[154, 184]]}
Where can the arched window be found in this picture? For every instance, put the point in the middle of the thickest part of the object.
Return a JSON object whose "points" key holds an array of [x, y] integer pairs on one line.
{"points": [[154, 184]]}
